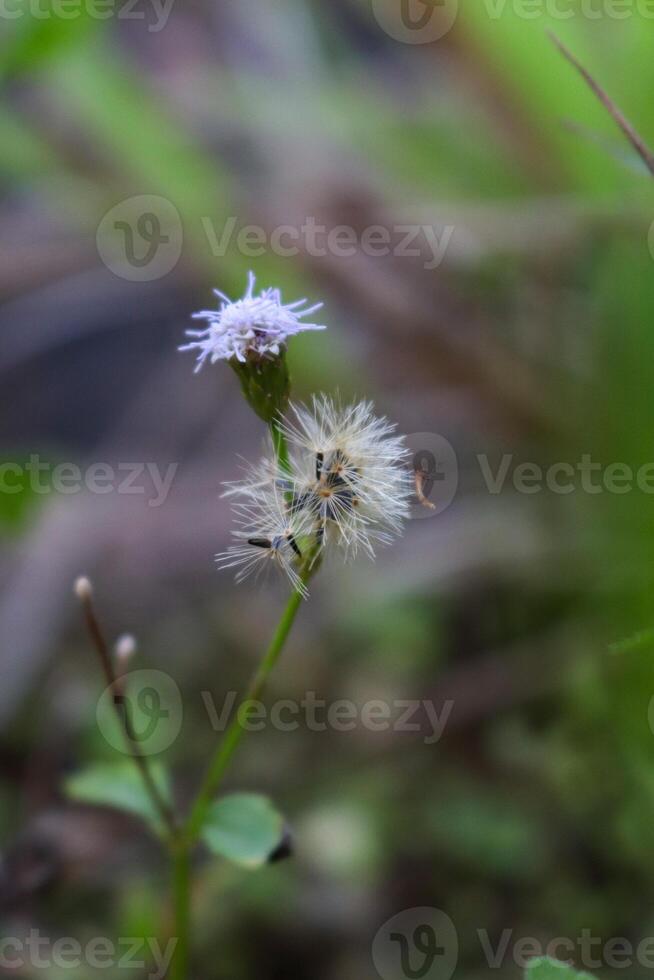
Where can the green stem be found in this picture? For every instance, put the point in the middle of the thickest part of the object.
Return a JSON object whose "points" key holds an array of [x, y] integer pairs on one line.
{"points": [[182, 902], [234, 733], [280, 446], [235, 729], [181, 847]]}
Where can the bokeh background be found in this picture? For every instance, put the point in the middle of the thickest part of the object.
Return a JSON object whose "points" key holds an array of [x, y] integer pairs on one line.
{"points": [[534, 337]]}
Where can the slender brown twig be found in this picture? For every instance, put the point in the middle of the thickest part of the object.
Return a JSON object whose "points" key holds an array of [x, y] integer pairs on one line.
{"points": [[115, 683], [636, 141]]}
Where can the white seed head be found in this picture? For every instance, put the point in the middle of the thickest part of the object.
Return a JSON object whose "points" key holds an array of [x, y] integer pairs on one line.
{"points": [[254, 324], [269, 534], [350, 468], [257, 481], [83, 588], [348, 485]]}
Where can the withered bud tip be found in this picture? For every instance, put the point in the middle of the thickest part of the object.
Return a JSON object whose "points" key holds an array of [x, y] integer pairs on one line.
{"points": [[83, 588], [125, 647]]}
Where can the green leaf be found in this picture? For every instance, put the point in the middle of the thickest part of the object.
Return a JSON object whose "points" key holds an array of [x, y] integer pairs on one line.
{"points": [[245, 828], [119, 785], [545, 968], [638, 641], [18, 501]]}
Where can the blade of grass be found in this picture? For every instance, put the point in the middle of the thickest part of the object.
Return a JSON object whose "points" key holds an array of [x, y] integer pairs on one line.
{"points": [[618, 117]]}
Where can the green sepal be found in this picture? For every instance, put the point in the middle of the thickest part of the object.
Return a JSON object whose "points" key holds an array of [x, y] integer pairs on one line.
{"points": [[266, 384]]}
